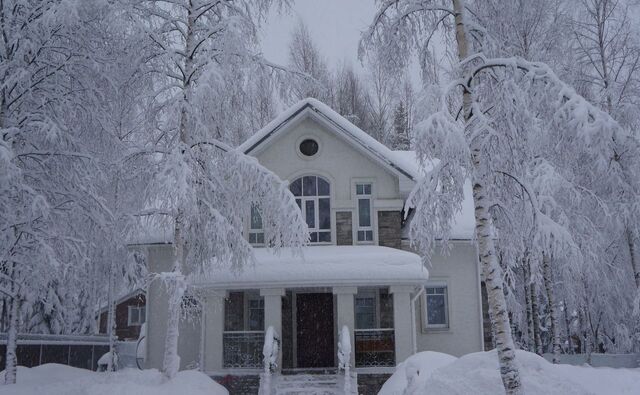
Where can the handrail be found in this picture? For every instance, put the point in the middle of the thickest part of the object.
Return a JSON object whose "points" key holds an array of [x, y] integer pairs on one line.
{"points": [[374, 330]]}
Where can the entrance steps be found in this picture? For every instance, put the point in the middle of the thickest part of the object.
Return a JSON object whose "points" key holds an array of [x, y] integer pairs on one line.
{"points": [[310, 384]]}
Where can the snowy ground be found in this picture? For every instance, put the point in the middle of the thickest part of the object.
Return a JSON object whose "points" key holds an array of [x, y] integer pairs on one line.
{"points": [[477, 373], [54, 379]]}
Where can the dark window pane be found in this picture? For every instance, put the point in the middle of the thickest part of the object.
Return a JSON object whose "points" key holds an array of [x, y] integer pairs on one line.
{"points": [[310, 213], [367, 189], [299, 203], [323, 187], [386, 309], [365, 312], [309, 186], [309, 147], [364, 212], [234, 312], [256, 218], [324, 214], [324, 237], [436, 310], [314, 237], [359, 189], [296, 187], [361, 236], [256, 314], [260, 238]]}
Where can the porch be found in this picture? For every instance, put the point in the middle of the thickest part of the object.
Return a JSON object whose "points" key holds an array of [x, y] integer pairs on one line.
{"points": [[375, 306]]}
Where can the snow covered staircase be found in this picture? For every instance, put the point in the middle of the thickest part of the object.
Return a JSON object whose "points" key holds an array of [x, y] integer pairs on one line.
{"points": [[316, 384]]}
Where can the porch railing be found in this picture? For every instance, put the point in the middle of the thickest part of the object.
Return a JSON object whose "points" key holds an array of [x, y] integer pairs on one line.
{"points": [[242, 349], [375, 347]]}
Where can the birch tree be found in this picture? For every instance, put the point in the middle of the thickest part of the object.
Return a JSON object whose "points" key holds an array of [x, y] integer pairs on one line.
{"points": [[484, 135], [47, 196], [203, 189]]}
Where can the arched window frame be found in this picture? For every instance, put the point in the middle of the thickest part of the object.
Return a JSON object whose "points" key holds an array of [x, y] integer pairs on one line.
{"points": [[314, 200]]}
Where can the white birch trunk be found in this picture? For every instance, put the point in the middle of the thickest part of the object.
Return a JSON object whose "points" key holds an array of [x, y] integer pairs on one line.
{"points": [[492, 271], [175, 284], [12, 342], [547, 275]]}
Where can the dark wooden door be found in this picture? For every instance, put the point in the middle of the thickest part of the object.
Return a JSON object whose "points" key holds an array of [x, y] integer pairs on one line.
{"points": [[314, 321]]}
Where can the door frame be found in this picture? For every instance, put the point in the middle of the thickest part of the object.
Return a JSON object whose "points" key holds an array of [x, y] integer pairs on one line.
{"points": [[294, 324]]}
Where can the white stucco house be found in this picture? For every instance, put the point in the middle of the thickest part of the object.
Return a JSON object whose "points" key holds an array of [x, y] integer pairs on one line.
{"points": [[358, 271]]}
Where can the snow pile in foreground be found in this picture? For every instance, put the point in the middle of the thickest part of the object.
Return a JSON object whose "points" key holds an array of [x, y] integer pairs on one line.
{"points": [[418, 368], [55, 379], [478, 373]]}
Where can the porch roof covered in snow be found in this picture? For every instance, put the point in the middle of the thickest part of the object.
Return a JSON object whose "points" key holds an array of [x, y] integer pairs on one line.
{"points": [[323, 266]]}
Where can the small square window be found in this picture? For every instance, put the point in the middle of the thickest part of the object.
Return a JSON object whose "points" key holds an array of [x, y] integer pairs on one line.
{"points": [[365, 235], [137, 315]]}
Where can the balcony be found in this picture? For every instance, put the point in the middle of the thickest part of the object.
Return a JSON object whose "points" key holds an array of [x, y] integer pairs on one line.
{"points": [[375, 347], [242, 349]]}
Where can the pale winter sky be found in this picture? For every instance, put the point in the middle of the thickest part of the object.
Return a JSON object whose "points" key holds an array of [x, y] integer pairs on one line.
{"points": [[335, 26]]}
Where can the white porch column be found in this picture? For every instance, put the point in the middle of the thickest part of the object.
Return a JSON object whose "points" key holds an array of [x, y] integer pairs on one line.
{"points": [[402, 322], [346, 315], [213, 329], [273, 313]]}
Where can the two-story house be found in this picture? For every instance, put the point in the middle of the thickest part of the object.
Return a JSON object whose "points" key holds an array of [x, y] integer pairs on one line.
{"points": [[358, 270]]}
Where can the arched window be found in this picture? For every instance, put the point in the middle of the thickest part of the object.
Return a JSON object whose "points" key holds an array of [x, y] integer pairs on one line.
{"points": [[313, 197]]}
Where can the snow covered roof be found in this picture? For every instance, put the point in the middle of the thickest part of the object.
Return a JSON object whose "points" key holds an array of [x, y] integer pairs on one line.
{"points": [[123, 298], [353, 133], [324, 266]]}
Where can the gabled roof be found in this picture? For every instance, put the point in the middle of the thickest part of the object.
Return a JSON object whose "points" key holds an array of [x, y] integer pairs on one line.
{"points": [[339, 125], [125, 297]]}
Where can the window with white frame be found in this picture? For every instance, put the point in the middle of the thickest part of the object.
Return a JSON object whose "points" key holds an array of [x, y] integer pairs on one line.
{"points": [[436, 306], [256, 231], [312, 195], [365, 227], [137, 315]]}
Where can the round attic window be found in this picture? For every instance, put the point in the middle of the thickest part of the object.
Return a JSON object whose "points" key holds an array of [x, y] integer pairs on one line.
{"points": [[309, 147]]}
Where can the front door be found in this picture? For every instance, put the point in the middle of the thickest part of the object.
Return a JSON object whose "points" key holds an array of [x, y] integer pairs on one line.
{"points": [[314, 322]]}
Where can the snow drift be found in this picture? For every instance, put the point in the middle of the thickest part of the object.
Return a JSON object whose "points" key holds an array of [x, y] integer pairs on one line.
{"points": [[55, 379], [478, 374]]}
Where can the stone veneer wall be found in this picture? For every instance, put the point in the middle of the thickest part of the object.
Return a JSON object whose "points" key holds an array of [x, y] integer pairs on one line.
{"points": [[344, 228], [370, 384], [240, 384], [389, 229]]}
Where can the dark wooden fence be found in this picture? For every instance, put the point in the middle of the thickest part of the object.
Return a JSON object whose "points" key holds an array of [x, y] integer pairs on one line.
{"points": [[81, 351]]}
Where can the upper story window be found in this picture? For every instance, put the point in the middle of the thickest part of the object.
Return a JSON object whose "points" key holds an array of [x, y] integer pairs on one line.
{"points": [[312, 195], [308, 147], [365, 227], [256, 231]]}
